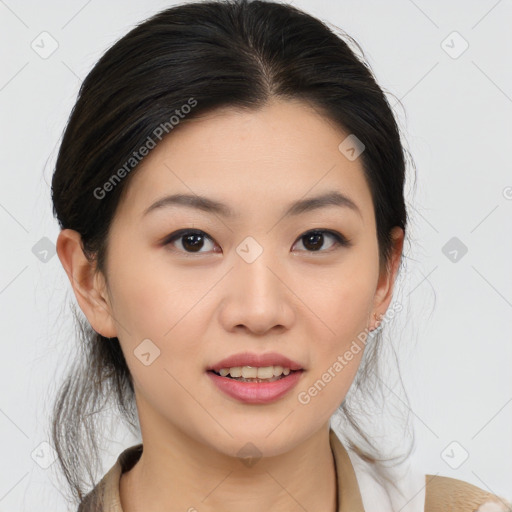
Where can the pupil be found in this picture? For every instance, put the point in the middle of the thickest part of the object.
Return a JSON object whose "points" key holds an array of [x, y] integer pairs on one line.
{"points": [[316, 236], [193, 241]]}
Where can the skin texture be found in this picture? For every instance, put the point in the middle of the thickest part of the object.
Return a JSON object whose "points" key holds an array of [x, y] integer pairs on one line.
{"points": [[199, 308]]}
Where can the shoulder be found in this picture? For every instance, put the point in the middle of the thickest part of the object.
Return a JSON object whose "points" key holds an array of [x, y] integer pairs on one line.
{"points": [[444, 493], [105, 495]]}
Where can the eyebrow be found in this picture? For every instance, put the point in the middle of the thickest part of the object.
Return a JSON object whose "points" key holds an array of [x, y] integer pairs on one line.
{"points": [[209, 205]]}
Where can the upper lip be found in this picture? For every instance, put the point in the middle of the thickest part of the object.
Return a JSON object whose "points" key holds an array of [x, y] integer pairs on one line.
{"points": [[257, 360]]}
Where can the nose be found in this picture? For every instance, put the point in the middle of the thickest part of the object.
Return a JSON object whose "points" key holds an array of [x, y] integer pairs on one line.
{"points": [[258, 297]]}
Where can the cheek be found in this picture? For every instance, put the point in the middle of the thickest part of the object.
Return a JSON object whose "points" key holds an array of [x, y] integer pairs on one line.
{"points": [[350, 305], [156, 302], [344, 309], [339, 348], [163, 306], [347, 297]]}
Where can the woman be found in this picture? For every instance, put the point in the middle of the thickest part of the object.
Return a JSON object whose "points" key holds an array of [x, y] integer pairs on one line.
{"points": [[230, 192]]}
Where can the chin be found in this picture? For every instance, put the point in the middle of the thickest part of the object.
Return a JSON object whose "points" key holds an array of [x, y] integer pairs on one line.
{"points": [[256, 440]]}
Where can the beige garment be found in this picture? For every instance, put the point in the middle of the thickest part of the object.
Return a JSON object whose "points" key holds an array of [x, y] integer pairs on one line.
{"points": [[443, 494]]}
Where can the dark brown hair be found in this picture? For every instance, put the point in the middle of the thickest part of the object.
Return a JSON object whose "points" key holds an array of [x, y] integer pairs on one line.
{"points": [[220, 53]]}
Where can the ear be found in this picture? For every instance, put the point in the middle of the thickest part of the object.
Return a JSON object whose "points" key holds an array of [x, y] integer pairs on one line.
{"points": [[89, 286], [387, 277]]}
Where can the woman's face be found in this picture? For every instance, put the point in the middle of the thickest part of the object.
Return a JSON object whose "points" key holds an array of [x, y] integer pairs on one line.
{"points": [[250, 282]]}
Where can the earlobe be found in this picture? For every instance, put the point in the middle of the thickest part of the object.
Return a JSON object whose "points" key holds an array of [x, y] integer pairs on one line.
{"points": [[88, 286]]}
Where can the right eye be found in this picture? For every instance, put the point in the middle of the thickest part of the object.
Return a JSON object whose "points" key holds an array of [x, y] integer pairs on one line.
{"points": [[191, 241]]}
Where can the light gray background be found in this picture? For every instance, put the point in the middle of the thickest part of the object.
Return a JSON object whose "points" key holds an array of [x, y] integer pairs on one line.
{"points": [[455, 344]]}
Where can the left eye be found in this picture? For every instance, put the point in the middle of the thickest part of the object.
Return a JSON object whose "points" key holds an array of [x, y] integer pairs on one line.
{"points": [[192, 241], [315, 239]]}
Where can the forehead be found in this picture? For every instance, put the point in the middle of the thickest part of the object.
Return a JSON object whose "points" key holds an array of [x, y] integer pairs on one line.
{"points": [[250, 159]]}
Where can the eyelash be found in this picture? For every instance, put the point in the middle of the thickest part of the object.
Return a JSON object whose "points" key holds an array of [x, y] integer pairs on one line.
{"points": [[340, 240]]}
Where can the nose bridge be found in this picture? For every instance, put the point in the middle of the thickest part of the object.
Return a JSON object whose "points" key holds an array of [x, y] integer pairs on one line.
{"points": [[252, 269]]}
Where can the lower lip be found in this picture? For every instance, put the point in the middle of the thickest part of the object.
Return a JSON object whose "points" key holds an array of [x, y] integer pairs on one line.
{"points": [[256, 392]]}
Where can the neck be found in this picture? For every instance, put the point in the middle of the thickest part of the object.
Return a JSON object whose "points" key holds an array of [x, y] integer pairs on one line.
{"points": [[179, 473]]}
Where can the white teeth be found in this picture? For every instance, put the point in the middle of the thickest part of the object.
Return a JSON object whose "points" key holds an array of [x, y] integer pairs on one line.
{"points": [[266, 372], [236, 371], [249, 372], [278, 370], [253, 372]]}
